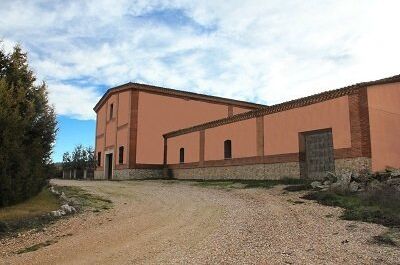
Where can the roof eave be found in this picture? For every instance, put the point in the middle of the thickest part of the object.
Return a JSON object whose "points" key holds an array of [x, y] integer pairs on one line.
{"points": [[174, 92]]}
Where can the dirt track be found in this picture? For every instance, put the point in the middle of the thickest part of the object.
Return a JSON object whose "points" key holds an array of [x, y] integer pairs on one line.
{"points": [[164, 222]]}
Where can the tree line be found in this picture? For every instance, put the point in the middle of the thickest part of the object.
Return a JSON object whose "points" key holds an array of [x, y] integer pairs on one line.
{"points": [[28, 129], [80, 159]]}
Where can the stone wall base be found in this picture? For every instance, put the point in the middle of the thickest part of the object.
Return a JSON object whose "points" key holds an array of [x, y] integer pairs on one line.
{"points": [[258, 171], [99, 175], [266, 171], [133, 173], [137, 173], [353, 165]]}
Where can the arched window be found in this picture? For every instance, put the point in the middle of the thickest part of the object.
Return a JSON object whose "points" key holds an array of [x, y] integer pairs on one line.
{"points": [[227, 149], [182, 155], [121, 155]]}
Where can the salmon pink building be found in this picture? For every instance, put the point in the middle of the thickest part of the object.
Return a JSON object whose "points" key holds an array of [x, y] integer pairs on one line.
{"points": [[145, 131], [131, 121]]}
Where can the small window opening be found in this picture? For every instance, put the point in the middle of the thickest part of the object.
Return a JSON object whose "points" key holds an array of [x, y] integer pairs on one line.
{"points": [[227, 149], [182, 155], [111, 111], [99, 159], [121, 155]]}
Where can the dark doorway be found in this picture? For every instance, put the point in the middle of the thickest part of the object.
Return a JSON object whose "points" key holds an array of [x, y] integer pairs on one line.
{"points": [[316, 154], [109, 162]]}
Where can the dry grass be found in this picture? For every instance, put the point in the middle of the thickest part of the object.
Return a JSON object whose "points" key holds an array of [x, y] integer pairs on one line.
{"points": [[380, 208], [34, 213], [86, 200], [43, 203]]}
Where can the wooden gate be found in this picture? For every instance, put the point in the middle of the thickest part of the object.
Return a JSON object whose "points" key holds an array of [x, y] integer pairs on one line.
{"points": [[318, 157]]}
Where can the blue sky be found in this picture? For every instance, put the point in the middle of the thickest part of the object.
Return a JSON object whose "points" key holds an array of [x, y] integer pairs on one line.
{"points": [[257, 50], [71, 133]]}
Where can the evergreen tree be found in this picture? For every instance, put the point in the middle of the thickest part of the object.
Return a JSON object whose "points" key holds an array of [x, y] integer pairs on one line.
{"points": [[27, 129]]}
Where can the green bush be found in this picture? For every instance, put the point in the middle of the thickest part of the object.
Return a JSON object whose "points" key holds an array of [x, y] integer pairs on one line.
{"points": [[366, 206]]}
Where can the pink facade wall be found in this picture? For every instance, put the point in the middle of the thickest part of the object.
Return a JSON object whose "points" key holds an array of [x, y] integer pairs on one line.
{"points": [[384, 118], [113, 133], [111, 124], [101, 120], [159, 114], [190, 142], [122, 140], [281, 130], [100, 148], [238, 110], [243, 137], [123, 125], [123, 108]]}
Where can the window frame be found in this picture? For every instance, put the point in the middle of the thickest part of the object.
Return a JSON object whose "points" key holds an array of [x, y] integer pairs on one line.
{"points": [[228, 149]]}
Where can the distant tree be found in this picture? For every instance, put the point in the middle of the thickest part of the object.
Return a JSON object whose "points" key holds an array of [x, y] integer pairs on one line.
{"points": [[66, 162], [81, 158], [91, 158], [28, 129], [78, 158]]}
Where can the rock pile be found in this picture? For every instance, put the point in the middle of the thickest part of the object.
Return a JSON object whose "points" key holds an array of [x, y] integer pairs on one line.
{"points": [[357, 182], [68, 204], [54, 191]]}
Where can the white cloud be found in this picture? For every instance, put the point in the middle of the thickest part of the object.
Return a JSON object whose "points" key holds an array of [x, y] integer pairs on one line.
{"points": [[254, 50], [73, 101]]}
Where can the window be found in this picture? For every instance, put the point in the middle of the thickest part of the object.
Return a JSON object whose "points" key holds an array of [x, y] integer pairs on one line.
{"points": [[227, 149], [121, 155], [182, 155], [99, 159], [111, 111]]}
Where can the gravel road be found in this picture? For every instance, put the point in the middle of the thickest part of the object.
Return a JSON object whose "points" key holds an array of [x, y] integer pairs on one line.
{"points": [[169, 222]]}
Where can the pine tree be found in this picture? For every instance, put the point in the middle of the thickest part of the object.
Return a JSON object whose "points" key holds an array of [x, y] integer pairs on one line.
{"points": [[27, 129]]}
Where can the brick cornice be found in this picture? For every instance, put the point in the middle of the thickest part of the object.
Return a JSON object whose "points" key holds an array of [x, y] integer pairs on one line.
{"points": [[175, 93]]}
